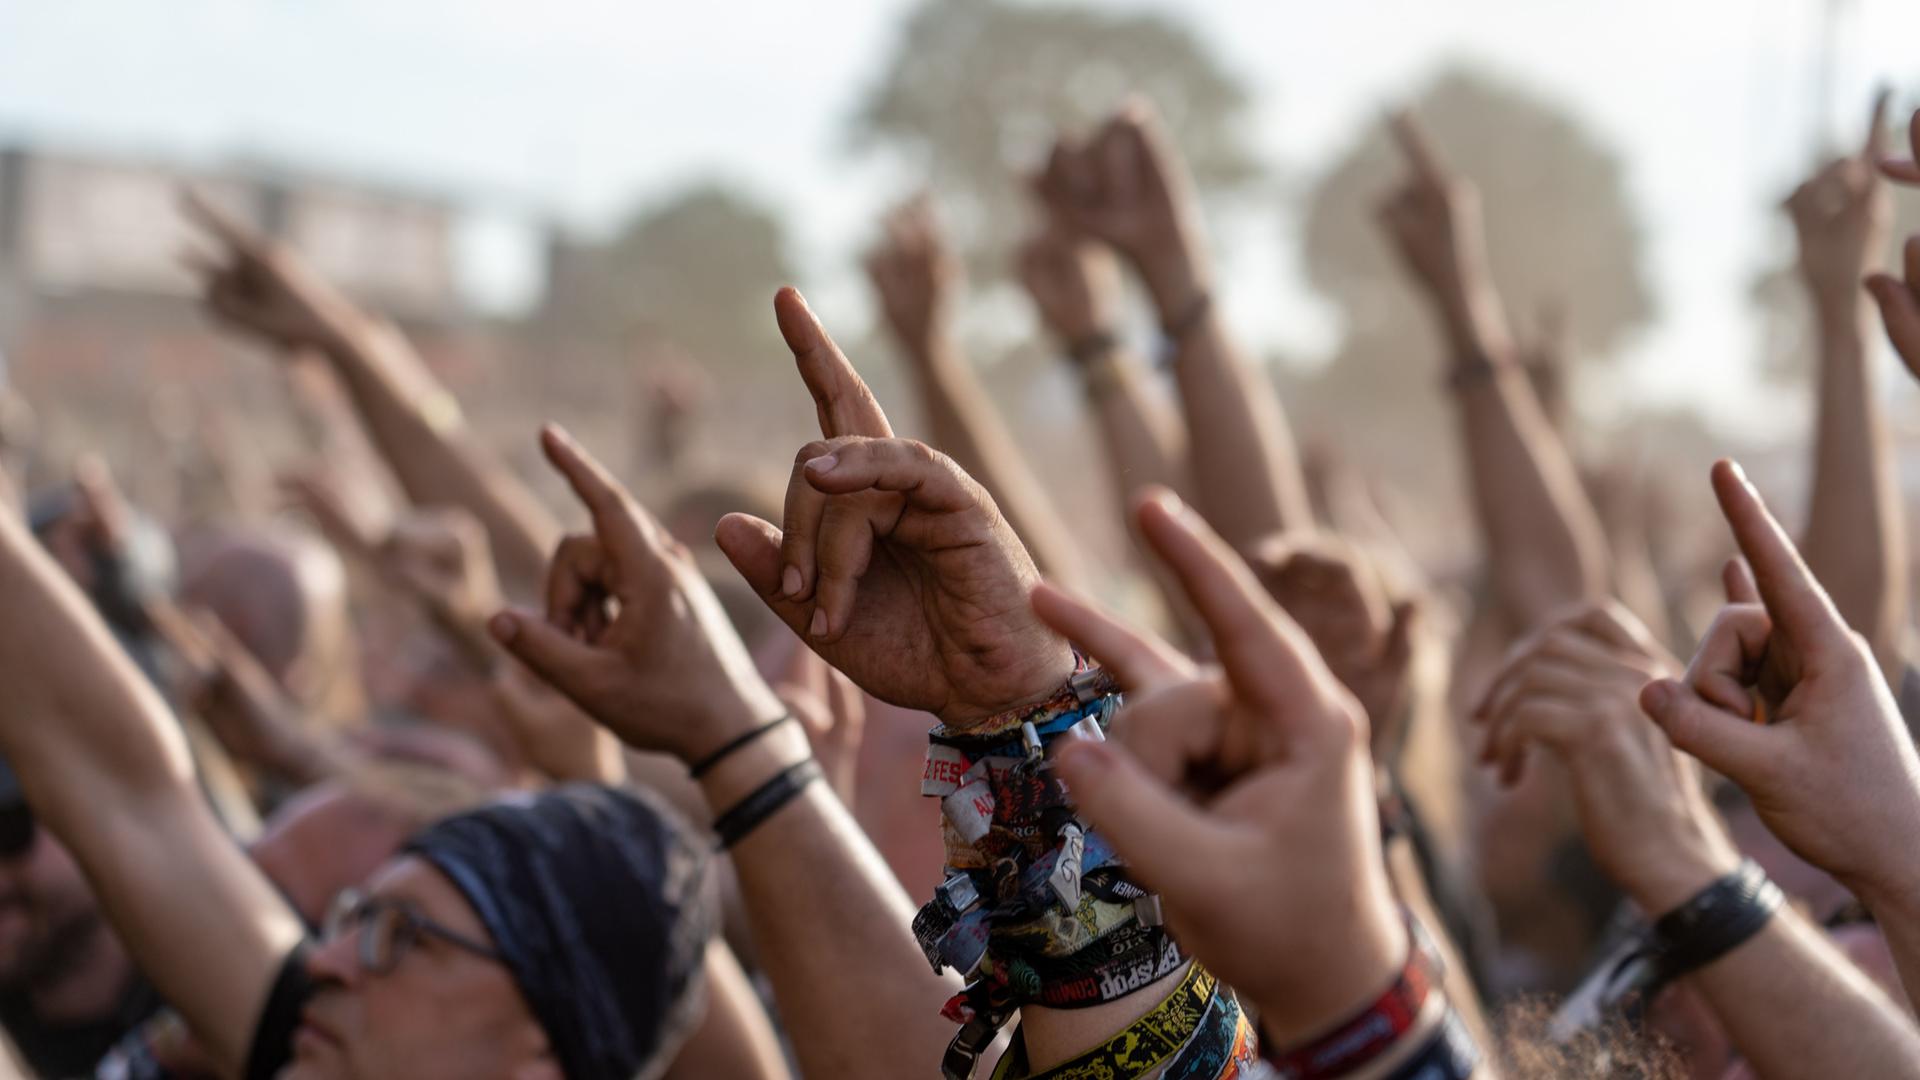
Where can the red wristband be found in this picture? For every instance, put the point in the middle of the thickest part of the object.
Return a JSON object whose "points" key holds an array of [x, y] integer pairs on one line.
{"points": [[1365, 1036]]}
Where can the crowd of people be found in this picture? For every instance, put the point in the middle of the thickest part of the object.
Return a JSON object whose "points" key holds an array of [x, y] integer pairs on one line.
{"points": [[429, 786]]}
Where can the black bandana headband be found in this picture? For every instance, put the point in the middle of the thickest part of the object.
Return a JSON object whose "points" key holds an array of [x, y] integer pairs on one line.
{"points": [[600, 902]]}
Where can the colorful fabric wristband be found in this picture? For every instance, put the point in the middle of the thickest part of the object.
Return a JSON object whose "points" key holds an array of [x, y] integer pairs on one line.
{"points": [[1364, 1037]]}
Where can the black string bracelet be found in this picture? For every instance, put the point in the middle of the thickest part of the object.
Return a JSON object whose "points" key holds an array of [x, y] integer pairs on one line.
{"points": [[748, 813], [705, 765]]}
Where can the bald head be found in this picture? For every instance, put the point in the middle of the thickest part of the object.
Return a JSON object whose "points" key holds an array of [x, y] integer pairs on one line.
{"points": [[281, 592]]}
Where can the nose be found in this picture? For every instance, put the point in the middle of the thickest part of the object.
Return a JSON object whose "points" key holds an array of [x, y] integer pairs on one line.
{"points": [[336, 962]]}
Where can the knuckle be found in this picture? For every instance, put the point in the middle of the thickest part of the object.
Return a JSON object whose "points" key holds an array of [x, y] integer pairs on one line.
{"points": [[814, 449]]}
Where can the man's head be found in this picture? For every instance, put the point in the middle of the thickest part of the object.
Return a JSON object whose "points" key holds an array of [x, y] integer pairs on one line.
{"points": [[47, 911], [337, 833], [540, 936], [282, 593]]}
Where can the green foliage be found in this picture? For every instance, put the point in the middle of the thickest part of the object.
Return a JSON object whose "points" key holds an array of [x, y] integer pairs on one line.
{"points": [[976, 90]]}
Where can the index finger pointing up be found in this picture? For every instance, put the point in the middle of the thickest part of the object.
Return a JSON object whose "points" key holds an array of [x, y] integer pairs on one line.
{"points": [[218, 222], [1792, 596], [840, 396], [1876, 146], [624, 528], [1414, 143]]}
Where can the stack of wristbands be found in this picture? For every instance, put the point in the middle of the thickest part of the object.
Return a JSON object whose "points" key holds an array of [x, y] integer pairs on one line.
{"points": [[1036, 908]]}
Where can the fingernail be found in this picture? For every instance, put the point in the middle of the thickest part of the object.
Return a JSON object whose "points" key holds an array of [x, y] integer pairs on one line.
{"points": [[790, 581], [818, 628], [823, 465], [503, 627]]}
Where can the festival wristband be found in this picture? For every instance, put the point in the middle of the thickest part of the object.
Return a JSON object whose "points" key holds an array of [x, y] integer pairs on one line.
{"points": [[1449, 1055], [1366, 1036], [748, 813], [1149, 1043], [705, 765], [1718, 919]]}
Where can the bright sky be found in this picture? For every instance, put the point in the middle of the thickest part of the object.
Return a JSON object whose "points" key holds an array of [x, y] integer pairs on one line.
{"points": [[580, 108]]}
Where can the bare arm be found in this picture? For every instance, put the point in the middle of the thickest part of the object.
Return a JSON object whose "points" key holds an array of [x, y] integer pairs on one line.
{"points": [[1795, 1007], [1855, 541], [917, 278], [812, 883], [415, 423], [666, 672], [736, 1039], [1544, 541], [1076, 285], [1129, 189], [106, 769]]}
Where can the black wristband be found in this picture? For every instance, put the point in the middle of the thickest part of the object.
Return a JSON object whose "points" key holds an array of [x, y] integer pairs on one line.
{"points": [[1472, 371], [749, 812], [1175, 330], [1717, 920], [705, 765], [1086, 350]]}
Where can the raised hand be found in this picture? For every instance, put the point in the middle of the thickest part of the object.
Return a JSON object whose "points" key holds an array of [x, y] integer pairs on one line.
{"points": [[1324, 587], [1841, 217], [261, 287], [1788, 703], [831, 709], [1128, 187], [1073, 281], [1573, 689], [441, 555], [1243, 795], [916, 276], [632, 632], [893, 564], [1434, 221], [552, 734]]}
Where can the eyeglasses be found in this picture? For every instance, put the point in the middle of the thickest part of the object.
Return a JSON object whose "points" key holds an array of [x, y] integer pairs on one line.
{"points": [[388, 927]]}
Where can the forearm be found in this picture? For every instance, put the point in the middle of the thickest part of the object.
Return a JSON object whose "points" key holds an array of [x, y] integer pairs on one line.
{"points": [[1855, 538], [966, 427], [735, 1039], [1410, 885], [106, 770], [1794, 1007], [417, 427], [1145, 444], [1896, 910], [1243, 464], [1544, 541], [853, 989]]}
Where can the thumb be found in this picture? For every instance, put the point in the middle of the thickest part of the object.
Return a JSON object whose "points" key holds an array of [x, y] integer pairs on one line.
{"points": [[1163, 837], [1733, 746], [550, 653]]}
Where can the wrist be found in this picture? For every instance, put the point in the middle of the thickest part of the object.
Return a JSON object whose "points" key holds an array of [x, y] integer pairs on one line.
{"points": [[1050, 679], [1175, 275], [738, 774], [1365, 966], [1663, 882]]}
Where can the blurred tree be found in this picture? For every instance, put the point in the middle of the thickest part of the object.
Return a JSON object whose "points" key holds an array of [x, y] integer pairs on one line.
{"points": [[1560, 233], [695, 272], [977, 89]]}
